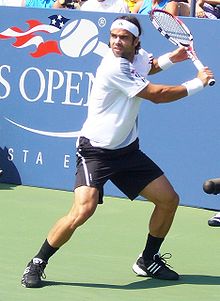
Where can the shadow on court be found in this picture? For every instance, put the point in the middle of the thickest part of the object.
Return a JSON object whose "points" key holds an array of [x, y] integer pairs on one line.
{"points": [[10, 172], [144, 284], [7, 186]]}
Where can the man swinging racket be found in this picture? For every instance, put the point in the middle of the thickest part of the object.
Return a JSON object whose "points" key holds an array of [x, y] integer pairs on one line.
{"points": [[108, 148]]}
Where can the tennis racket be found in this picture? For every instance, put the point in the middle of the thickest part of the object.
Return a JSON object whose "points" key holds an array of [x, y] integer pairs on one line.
{"points": [[177, 33]]}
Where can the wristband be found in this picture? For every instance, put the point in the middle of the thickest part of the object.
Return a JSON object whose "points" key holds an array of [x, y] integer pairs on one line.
{"points": [[193, 86], [164, 61]]}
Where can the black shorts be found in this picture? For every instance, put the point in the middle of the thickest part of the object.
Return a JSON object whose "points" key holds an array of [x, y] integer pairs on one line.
{"points": [[128, 168]]}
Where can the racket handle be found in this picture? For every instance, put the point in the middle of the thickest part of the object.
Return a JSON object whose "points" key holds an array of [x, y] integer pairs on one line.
{"points": [[211, 82], [200, 66], [212, 186]]}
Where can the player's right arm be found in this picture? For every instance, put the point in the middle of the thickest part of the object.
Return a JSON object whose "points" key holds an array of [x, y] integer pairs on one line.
{"points": [[176, 56], [164, 93]]}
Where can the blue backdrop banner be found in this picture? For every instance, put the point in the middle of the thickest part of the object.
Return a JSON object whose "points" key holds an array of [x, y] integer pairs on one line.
{"points": [[48, 61]]}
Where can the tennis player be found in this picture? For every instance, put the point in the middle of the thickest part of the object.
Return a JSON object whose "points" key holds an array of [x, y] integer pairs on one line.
{"points": [[108, 148]]}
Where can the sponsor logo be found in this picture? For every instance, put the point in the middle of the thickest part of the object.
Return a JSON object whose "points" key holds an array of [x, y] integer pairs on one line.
{"points": [[60, 37], [75, 40]]}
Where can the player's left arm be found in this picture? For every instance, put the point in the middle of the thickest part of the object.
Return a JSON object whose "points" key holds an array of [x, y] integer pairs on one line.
{"points": [[167, 60]]}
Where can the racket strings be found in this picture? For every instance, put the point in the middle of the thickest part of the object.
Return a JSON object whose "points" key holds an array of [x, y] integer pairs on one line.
{"points": [[169, 26]]}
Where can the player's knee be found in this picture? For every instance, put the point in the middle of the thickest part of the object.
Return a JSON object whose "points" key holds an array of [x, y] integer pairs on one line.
{"points": [[176, 199], [169, 203], [79, 217], [172, 202], [85, 213]]}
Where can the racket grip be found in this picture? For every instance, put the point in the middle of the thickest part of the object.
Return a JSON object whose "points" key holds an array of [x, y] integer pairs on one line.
{"points": [[199, 65], [212, 186]]}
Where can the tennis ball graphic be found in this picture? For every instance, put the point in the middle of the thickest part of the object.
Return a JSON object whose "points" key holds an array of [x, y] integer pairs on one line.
{"points": [[79, 38]]}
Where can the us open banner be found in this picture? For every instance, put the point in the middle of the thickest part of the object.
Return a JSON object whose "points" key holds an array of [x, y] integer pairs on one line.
{"points": [[48, 63], [48, 60]]}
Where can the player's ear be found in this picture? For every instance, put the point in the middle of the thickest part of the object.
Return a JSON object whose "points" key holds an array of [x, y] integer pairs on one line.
{"points": [[136, 41]]}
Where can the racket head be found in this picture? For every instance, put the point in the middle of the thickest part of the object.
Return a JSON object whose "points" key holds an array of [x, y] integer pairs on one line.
{"points": [[171, 28]]}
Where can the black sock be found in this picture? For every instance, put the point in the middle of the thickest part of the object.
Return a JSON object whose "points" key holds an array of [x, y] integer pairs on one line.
{"points": [[152, 247], [46, 251]]}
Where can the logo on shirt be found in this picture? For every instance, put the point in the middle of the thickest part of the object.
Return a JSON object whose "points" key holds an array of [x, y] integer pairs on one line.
{"points": [[137, 75]]}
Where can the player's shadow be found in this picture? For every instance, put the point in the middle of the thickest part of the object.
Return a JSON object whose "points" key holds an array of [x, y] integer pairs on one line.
{"points": [[11, 176], [147, 283]]}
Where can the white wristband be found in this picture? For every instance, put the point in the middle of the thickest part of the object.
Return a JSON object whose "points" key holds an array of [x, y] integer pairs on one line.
{"points": [[193, 86], [164, 61]]}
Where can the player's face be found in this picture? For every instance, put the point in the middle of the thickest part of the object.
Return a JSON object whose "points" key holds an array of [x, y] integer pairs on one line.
{"points": [[123, 43]]}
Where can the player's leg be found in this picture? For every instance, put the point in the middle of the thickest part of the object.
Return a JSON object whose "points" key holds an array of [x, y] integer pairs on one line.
{"points": [[166, 200], [86, 200], [85, 203]]}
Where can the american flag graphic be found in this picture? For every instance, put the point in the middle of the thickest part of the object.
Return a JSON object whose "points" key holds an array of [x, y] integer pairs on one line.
{"points": [[33, 36]]}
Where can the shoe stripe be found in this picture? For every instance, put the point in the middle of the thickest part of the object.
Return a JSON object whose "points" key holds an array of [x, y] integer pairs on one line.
{"points": [[150, 266], [153, 268], [154, 272]]}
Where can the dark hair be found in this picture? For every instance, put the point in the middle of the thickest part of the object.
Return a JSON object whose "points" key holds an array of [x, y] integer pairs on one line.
{"points": [[135, 21]]}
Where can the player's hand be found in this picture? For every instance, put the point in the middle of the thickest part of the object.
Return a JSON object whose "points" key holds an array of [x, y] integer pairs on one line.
{"points": [[178, 55], [205, 75]]}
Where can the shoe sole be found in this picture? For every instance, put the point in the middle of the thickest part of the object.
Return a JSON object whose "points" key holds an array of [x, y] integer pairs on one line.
{"points": [[27, 285], [137, 270], [214, 223], [31, 286]]}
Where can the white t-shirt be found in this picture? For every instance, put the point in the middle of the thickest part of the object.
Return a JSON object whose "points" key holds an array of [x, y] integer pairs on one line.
{"points": [[114, 6], [113, 105]]}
